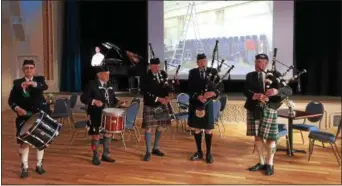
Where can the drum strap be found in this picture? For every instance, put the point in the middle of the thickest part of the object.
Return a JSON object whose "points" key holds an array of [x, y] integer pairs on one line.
{"points": [[20, 124], [106, 89]]}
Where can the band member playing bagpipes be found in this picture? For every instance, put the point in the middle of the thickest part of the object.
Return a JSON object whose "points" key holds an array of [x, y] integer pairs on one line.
{"points": [[100, 94], [263, 100], [156, 99], [26, 98], [199, 113]]}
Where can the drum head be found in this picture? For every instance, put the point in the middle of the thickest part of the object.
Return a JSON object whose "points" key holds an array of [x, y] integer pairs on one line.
{"points": [[113, 111], [29, 123]]}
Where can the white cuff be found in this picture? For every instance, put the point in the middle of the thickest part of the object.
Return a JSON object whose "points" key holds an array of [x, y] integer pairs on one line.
{"points": [[92, 102], [34, 84], [156, 99], [15, 108]]}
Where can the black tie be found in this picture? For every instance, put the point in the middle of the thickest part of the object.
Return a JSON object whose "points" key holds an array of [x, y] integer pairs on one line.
{"points": [[202, 74]]}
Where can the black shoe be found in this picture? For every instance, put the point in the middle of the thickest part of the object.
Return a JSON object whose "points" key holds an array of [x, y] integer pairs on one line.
{"points": [[209, 158], [257, 167], [269, 170], [107, 159], [40, 170], [24, 173], [197, 156], [96, 160], [157, 152], [147, 156]]}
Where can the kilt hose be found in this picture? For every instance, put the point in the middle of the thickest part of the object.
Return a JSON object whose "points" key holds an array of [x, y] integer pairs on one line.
{"points": [[156, 116], [266, 127]]}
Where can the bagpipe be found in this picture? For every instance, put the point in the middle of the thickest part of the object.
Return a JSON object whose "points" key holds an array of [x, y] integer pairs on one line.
{"points": [[212, 81], [151, 53], [169, 85], [275, 79]]}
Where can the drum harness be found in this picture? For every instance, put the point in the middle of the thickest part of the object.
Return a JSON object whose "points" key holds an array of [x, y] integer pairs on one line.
{"points": [[106, 105]]}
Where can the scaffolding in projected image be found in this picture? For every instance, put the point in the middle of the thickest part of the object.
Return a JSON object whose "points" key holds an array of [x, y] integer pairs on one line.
{"points": [[179, 56]]}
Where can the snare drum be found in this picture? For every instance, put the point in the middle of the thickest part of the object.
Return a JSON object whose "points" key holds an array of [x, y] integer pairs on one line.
{"points": [[39, 130], [113, 120]]}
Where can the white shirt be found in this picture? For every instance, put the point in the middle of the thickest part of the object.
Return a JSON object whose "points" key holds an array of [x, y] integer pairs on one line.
{"points": [[97, 59]]}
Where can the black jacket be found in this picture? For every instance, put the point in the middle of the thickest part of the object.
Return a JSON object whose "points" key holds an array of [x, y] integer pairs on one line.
{"points": [[36, 100], [252, 86], [151, 88], [94, 90], [196, 84]]}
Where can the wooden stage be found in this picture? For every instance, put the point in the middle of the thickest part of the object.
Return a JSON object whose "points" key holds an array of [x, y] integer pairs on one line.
{"points": [[232, 154]]}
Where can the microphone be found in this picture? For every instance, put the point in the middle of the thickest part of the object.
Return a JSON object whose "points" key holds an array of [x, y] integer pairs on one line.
{"points": [[274, 59]]}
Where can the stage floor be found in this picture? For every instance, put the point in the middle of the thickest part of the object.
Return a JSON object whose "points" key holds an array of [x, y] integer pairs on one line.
{"points": [[232, 154]]}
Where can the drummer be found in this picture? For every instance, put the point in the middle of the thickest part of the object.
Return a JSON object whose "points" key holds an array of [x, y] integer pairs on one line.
{"points": [[100, 94], [26, 98]]}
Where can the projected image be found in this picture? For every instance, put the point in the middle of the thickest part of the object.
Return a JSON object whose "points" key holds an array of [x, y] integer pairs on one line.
{"points": [[243, 29]]}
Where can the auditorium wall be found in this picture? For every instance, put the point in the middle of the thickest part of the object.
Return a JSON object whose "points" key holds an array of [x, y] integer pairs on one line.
{"points": [[30, 29]]}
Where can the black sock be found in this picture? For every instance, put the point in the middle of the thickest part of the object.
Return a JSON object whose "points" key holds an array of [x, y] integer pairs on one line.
{"points": [[198, 139], [208, 138]]}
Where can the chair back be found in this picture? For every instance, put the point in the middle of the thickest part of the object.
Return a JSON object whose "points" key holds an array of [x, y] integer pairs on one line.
{"points": [[339, 128], [131, 115], [315, 107], [62, 106], [183, 101], [73, 100], [216, 109], [223, 100]]}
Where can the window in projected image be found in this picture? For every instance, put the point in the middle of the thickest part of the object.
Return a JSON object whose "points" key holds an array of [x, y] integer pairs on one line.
{"points": [[243, 28]]}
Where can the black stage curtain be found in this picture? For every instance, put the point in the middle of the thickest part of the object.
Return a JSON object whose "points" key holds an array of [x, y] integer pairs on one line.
{"points": [[119, 22], [317, 45]]}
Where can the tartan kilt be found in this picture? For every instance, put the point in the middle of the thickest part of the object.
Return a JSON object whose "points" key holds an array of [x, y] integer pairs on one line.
{"points": [[94, 124], [151, 118], [266, 127], [206, 122]]}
